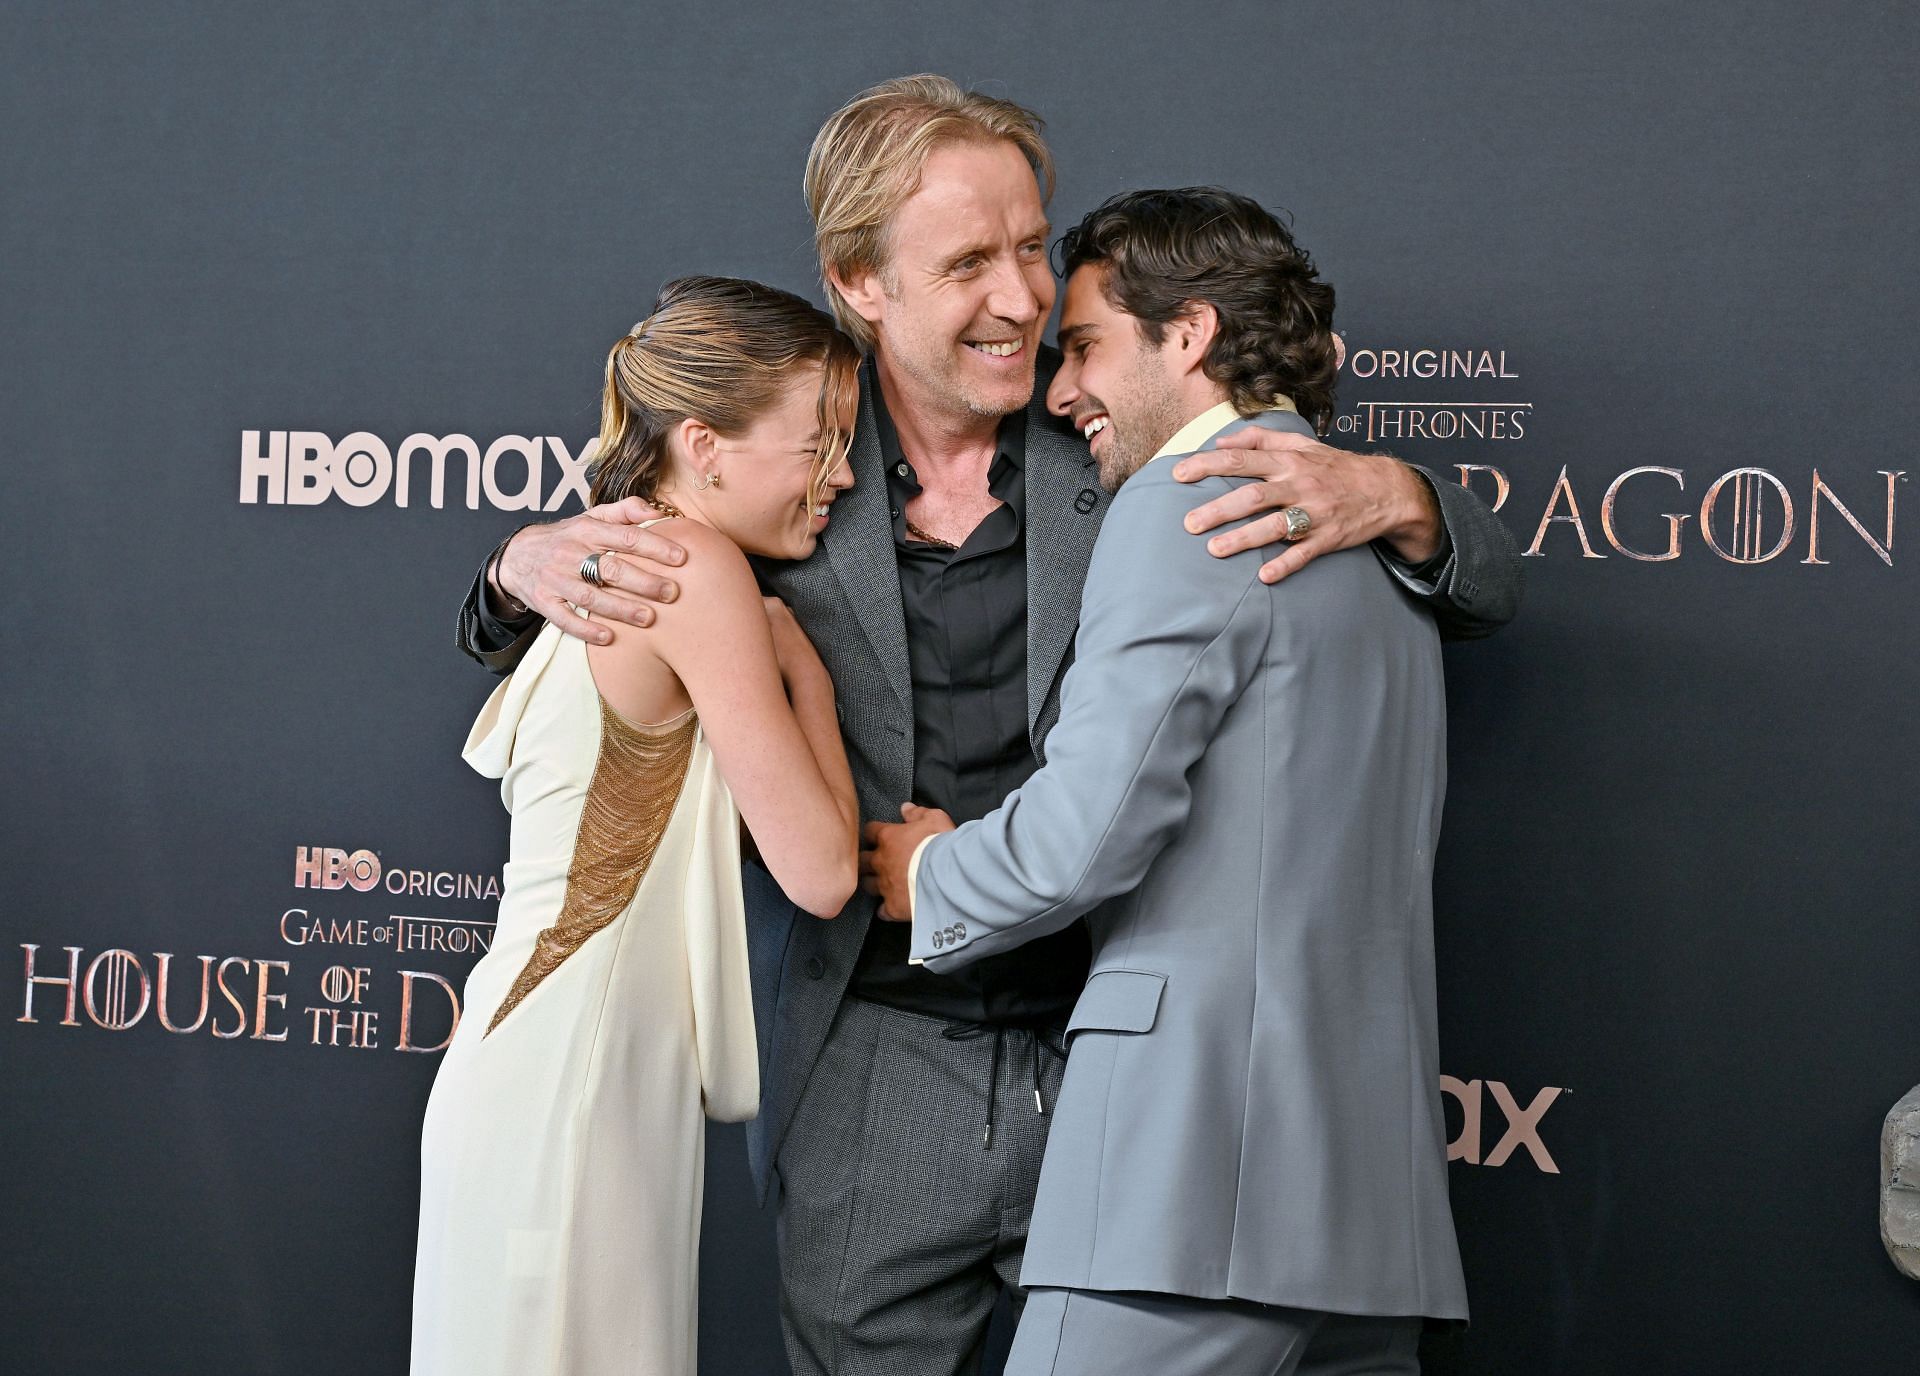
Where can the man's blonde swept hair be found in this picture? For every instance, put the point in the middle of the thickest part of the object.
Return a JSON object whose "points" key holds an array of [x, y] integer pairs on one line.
{"points": [[867, 159]]}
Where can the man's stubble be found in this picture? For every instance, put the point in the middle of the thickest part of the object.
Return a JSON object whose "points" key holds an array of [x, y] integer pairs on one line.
{"points": [[1153, 415], [935, 370]]}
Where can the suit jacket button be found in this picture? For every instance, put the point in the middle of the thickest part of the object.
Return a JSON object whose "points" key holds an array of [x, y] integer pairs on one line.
{"points": [[816, 968]]}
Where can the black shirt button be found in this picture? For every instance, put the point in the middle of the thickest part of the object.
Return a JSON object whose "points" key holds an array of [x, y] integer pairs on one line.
{"points": [[816, 968], [902, 469]]}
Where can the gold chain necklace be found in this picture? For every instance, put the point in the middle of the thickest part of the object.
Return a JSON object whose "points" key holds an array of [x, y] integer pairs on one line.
{"points": [[927, 538]]}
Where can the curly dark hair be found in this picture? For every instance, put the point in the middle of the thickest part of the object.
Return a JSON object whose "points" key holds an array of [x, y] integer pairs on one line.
{"points": [[1165, 250]]}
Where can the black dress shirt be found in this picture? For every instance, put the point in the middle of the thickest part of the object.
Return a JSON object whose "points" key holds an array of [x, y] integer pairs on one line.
{"points": [[966, 618]]}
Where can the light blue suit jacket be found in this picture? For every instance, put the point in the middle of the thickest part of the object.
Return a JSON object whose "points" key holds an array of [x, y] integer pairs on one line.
{"points": [[1242, 795]]}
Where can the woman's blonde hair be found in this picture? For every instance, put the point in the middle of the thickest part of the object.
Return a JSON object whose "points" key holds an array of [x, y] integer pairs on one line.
{"points": [[718, 350], [867, 159]]}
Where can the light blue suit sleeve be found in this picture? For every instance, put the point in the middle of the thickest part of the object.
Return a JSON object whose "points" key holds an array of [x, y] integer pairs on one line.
{"points": [[1169, 638]]}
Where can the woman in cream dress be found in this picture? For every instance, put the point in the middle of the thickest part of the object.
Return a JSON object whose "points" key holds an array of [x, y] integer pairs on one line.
{"points": [[562, 1155]]}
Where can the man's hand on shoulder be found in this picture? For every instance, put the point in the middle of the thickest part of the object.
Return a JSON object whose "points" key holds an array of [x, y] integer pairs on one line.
{"points": [[540, 569], [1351, 499]]}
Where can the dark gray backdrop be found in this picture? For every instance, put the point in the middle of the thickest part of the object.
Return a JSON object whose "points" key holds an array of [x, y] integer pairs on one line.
{"points": [[1676, 882]]}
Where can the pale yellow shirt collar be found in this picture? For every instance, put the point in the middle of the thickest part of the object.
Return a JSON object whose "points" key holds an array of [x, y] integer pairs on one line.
{"points": [[1207, 424]]}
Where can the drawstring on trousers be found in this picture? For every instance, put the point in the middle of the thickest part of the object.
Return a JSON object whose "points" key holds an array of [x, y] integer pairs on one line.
{"points": [[1041, 1038]]}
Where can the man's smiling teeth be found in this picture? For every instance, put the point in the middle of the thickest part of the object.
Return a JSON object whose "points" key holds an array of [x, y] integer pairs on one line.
{"points": [[1007, 350], [1094, 426]]}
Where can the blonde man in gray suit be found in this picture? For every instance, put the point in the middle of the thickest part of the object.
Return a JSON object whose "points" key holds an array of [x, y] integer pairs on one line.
{"points": [[1247, 1167]]}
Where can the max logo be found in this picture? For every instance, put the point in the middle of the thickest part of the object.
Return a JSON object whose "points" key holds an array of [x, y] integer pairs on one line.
{"points": [[1523, 1124]]}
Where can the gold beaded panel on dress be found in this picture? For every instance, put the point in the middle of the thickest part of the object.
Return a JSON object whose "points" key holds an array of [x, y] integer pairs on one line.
{"points": [[637, 779]]}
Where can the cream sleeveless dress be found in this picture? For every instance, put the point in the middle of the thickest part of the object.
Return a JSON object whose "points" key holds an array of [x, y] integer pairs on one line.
{"points": [[563, 1151]]}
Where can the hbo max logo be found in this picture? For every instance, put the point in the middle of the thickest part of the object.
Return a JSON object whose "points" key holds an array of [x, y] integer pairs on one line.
{"points": [[306, 468]]}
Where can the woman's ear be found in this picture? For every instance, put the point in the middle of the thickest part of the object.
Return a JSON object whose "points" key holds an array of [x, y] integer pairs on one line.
{"points": [[694, 443]]}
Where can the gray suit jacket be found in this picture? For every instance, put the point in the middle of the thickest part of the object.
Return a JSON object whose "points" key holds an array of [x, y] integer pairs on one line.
{"points": [[1243, 796], [847, 597]]}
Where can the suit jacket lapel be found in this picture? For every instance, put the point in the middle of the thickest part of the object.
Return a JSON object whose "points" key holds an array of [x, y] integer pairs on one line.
{"points": [[1065, 504], [859, 546]]}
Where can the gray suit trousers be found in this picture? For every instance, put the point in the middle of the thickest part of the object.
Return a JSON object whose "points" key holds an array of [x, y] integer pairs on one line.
{"points": [[1130, 1333], [899, 1223]]}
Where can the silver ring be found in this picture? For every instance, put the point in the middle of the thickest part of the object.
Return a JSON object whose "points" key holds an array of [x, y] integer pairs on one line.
{"points": [[590, 567], [1298, 522]]}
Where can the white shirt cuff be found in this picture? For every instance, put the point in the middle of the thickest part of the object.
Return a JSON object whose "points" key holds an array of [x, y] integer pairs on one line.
{"points": [[913, 886]]}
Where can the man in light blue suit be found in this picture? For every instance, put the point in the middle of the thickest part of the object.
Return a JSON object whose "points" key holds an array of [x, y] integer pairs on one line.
{"points": [[1247, 1166]]}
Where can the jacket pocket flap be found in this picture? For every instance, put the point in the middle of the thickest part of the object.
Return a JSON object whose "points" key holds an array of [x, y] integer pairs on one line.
{"points": [[1118, 1001]]}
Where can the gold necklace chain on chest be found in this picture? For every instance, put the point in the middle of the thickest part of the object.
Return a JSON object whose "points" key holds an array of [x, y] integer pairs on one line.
{"points": [[926, 537]]}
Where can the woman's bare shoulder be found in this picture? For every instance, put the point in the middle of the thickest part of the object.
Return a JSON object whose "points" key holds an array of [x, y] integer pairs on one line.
{"points": [[715, 586], [716, 573], [716, 606]]}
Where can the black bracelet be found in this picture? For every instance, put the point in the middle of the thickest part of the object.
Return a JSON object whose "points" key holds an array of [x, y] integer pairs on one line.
{"points": [[492, 577]]}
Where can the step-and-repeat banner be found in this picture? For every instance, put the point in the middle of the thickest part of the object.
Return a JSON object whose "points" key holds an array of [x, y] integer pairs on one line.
{"points": [[306, 309]]}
